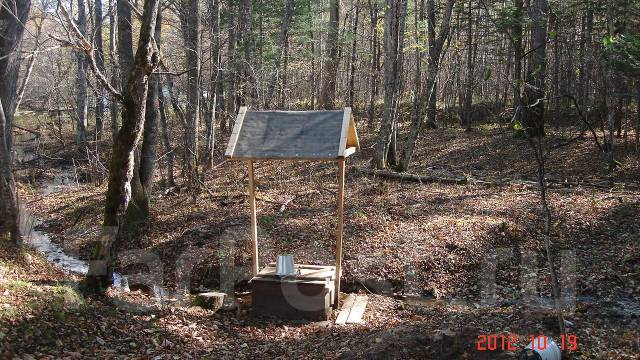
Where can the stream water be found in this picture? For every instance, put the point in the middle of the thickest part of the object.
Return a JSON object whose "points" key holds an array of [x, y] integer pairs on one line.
{"points": [[40, 240], [30, 224]]}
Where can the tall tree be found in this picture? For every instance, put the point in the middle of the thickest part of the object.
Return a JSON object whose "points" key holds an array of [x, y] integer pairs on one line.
{"points": [[125, 41], [352, 60], [232, 63], [466, 113], [13, 16], [190, 22], [533, 102], [97, 40], [375, 58], [327, 98], [133, 99], [9, 212], [394, 25], [113, 58], [215, 83], [144, 167], [166, 140], [81, 80], [281, 53], [249, 87], [436, 41]]}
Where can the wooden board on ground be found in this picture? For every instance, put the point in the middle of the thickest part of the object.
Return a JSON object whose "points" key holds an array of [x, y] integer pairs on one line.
{"points": [[352, 310], [355, 316], [346, 309]]}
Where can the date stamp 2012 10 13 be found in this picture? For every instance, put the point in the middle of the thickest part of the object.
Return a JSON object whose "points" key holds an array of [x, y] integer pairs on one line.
{"points": [[507, 342]]}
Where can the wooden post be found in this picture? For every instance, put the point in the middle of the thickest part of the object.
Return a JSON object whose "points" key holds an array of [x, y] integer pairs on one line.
{"points": [[339, 231], [254, 221]]}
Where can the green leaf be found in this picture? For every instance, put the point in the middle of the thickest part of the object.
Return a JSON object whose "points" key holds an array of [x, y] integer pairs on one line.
{"points": [[608, 40]]}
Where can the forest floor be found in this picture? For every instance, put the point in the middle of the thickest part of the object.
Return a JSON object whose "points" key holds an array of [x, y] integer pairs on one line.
{"points": [[419, 250]]}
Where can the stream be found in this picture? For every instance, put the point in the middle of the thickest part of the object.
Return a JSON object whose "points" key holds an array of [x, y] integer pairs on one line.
{"points": [[30, 225], [40, 240]]}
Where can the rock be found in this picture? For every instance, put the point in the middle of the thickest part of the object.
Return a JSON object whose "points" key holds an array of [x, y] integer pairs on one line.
{"points": [[197, 216], [568, 324], [144, 288], [209, 300]]}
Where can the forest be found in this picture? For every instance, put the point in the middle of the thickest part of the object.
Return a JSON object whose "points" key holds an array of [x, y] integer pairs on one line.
{"points": [[162, 161]]}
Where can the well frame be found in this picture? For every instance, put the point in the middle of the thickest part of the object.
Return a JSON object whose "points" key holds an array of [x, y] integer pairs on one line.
{"points": [[275, 149]]}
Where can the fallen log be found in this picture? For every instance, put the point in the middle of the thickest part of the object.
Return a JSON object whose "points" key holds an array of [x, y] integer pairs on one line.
{"points": [[452, 179], [412, 177]]}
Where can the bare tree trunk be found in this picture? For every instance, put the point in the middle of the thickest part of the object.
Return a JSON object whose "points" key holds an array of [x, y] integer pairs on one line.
{"points": [[10, 220], [394, 24], [142, 180], [373, 74], [638, 115], [12, 16], [610, 87], [249, 90], [81, 81], [327, 98], [125, 42], [518, 51], [113, 105], [354, 42], [137, 209], [166, 140], [467, 112], [313, 63], [534, 91], [429, 90], [134, 99], [539, 153], [232, 63], [214, 80], [100, 62], [283, 47], [190, 20]]}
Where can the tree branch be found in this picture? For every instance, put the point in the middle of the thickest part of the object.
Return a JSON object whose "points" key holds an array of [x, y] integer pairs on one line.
{"points": [[86, 47]]}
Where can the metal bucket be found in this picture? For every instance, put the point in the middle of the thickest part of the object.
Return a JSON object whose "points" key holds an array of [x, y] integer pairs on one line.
{"points": [[285, 266], [535, 351]]}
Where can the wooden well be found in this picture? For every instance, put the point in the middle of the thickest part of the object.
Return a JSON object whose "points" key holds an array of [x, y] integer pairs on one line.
{"points": [[293, 136], [309, 295]]}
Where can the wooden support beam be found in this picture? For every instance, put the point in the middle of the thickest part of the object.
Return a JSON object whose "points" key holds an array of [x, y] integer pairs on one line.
{"points": [[339, 231], [254, 220]]}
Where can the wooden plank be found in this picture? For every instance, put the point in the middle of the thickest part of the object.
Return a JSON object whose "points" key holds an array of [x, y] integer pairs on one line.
{"points": [[285, 158], [233, 139], [355, 315], [254, 220], [346, 309], [348, 152], [339, 231], [352, 138], [315, 271], [344, 132]]}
